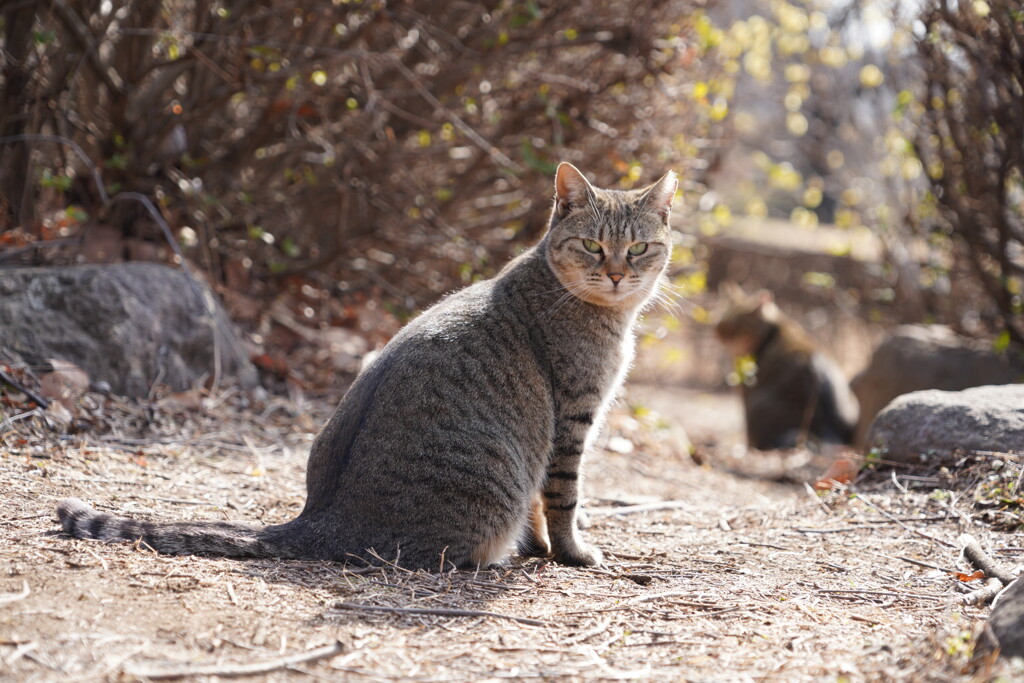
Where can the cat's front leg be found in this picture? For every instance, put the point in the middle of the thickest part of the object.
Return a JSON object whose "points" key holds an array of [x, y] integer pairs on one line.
{"points": [[562, 493]]}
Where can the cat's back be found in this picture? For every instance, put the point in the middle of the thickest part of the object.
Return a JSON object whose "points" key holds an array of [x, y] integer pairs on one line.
{"points": [[460, 383]]}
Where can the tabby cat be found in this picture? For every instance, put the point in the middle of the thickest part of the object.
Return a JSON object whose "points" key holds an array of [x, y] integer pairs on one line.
{"points": [[796, 392], [476, 413]]}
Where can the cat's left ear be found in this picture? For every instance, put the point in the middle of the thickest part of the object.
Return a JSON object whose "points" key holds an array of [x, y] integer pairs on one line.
{"points": [[658, 198]]}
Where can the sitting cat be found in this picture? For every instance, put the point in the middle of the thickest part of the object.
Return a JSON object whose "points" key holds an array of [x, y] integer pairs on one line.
{"points": [[796, 391], [482, 405]]}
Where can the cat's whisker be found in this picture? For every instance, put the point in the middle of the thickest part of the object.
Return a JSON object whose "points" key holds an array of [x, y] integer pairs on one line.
{"points": [[561, 301], [558, 304], [673, 302], [572, 294], [676, 298], [671, 307], [668, 290]]}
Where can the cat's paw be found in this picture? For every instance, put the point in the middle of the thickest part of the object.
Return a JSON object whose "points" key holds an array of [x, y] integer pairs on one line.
{"points": [[579, 555]]}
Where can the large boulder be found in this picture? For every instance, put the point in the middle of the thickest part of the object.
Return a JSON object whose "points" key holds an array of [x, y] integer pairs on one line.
{"points": [[919, 357], [131, 325], [937, 423]]}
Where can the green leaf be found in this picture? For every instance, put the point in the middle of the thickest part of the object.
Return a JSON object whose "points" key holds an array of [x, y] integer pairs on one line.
{"points": [[1002, 342], [289, 247], [59, 182], [117, 162], [43, 37], [76, 213], [534, 161]]}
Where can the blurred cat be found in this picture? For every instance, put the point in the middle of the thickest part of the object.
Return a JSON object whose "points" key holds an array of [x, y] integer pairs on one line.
{"points": [[477, 410], [919, 357], [792, 391]]}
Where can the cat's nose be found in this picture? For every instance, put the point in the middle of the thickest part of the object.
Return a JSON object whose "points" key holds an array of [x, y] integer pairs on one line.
{"points": [[615, 277]]}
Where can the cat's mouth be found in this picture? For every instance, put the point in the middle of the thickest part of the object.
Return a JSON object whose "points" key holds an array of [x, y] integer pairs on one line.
{"points": [[622, 294]]}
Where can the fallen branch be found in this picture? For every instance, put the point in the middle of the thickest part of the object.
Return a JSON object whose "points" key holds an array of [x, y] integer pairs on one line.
{"points": [[905, 526], [669, 594], [6, 598], [982, 560], [425, 611], [633, 509], [987, 592], [18, 386], [250, 669]]}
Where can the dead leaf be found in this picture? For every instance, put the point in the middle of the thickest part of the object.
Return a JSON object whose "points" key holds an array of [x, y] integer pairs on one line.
{"points": [[969, 577], [183, 401], [840, 472], [59, 414], [276, 363]]}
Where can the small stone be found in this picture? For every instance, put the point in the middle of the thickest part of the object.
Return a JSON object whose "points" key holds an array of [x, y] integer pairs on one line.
{"points": [[619, 444]]}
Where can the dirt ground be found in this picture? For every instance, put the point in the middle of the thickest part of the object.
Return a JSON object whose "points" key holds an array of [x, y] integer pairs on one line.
{"points": [[711, 575]]}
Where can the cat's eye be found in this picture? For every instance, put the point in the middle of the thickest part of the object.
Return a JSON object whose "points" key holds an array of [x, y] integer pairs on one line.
{"points": [[592, 246], [637, 249]]}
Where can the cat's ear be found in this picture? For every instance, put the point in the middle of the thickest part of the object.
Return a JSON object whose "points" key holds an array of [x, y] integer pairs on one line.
{"points": [[766, 304], [571, 189], [731, 291], [658, 198]]}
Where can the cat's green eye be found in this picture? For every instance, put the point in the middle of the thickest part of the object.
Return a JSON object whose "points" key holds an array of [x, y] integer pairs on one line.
{"points": [[592, 246], [638, 248]]}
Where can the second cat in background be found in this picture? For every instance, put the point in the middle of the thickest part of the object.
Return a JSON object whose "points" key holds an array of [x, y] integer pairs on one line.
{"points": [[791, 392]]}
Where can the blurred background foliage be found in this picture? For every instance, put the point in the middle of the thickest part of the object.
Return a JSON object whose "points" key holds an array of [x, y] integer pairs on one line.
{"points": [[895, 124], [369, 150], [405, 145]]}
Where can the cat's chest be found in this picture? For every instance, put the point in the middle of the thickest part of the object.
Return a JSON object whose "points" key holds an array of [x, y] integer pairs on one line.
{"points": [[592, 363]]}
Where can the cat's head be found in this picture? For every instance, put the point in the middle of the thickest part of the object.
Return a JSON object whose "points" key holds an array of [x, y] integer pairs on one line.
{"points": [[609, 247], [745, 319]]}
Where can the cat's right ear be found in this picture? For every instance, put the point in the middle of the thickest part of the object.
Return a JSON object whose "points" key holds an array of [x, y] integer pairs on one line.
{"points": [[572, 190]]}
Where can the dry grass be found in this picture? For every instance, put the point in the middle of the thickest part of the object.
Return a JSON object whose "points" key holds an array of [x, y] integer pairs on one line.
{"points": [[739, 579]]}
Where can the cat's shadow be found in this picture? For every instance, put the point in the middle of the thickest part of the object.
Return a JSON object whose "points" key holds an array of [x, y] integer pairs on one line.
{"points": [[404, 597]]}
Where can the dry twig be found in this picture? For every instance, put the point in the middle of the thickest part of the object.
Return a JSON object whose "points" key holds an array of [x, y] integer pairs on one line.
{"points": [[250, 669], [982, 560], [984, 594], [425, 611], [905, 526], [14, 597], [633, 509]]}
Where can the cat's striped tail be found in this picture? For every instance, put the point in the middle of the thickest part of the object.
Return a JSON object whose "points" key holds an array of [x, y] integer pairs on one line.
{"points": [[225, 539]]}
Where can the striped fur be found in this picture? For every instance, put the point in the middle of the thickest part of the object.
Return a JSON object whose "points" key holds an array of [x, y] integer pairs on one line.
{"points": [[475, 417]]}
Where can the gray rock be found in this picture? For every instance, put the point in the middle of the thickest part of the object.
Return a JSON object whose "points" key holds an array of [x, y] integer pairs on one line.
{"points": [[1005, 628], [130, 325], [919, 357], [936, 423]]}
